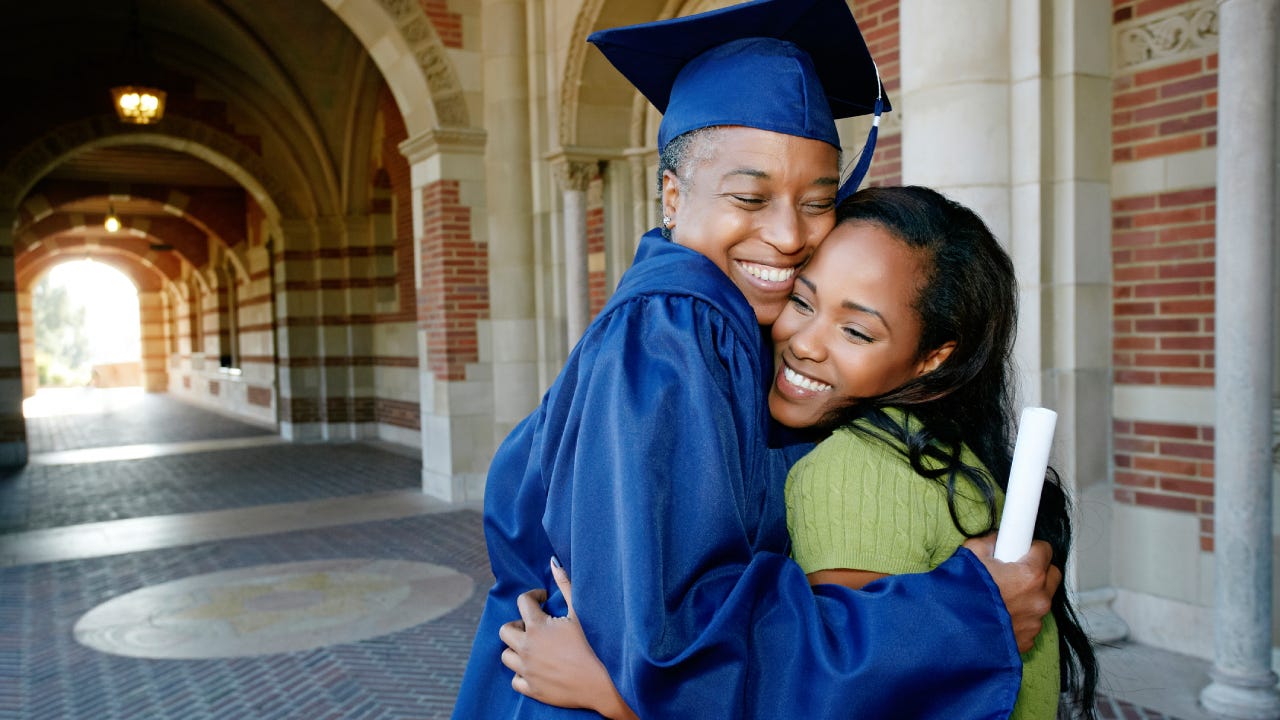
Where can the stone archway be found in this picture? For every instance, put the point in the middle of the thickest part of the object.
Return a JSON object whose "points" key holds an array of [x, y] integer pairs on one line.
{"points": [[597, 105], [40, 156], [413, 60]]}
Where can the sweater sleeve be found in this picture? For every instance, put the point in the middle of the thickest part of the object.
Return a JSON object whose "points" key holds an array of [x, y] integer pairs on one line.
{"points": [[855, 503]]}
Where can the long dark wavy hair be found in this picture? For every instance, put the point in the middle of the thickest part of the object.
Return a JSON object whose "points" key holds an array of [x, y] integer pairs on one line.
{"points": [[969, 297]]}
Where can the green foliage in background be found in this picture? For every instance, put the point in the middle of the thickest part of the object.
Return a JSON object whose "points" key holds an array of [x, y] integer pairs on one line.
{"points": [[62, 348]]}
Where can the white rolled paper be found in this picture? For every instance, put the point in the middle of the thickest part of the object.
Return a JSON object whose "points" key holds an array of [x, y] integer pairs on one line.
{"points": [[1026, 480]]}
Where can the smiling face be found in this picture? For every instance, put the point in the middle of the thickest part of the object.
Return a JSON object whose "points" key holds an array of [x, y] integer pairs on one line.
{"points": [[850, 329], [756, 203]]}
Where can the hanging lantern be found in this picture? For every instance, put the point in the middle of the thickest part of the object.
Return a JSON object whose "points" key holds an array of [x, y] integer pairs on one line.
{"points": [[112, 223], [138, 103]]}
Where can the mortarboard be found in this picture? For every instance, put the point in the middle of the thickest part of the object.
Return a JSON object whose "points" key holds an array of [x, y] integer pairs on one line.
{"points": [[789, 66]]}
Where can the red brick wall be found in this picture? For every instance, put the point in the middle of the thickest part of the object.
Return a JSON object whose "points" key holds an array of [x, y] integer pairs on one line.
{"points": [[878, 21], [455, 281], [1165, 109], [260, 396], [398, 413], [1162, 272], [1163, 247], [300, 410], [225, 309], [195, 312], [448, 25], [396, 168], [1167, 466]]}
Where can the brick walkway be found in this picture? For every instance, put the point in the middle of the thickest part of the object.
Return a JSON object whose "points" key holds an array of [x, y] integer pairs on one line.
{"points": [[123, 416], [43, 496], [1113, 709], [45, 673]]}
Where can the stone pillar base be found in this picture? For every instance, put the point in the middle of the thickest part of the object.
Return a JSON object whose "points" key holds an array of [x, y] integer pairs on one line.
{"points": [[1100, 621], [155, 382], [455, 488], [1242, 697], [301, 432], [13, 454]]}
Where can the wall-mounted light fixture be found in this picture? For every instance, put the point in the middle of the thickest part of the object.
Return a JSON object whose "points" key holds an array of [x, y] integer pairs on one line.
{"points": [[112, 223]]}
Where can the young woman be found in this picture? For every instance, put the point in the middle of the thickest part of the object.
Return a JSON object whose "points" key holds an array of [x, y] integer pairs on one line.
{"points": [[897, 340], [894, 349]]}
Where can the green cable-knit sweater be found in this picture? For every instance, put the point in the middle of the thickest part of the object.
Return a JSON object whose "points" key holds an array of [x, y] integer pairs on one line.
{"points": [[855, 503]]}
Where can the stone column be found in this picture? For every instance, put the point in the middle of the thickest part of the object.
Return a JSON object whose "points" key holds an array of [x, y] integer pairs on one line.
{"points": [[1068, 326], [301, 388], [333, 351], [573, 176], [1243, 684], [452, 258], [361, 311], [644, 194], [955, 102], [508, 156], [257, 336], [151, 315], [13, 426], [27, 334]]}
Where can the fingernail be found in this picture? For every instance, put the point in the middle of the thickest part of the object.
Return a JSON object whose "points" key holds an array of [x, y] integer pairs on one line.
{"points": [[555, 563]]}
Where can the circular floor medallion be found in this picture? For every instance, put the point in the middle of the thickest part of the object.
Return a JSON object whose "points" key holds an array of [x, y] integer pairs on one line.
{"points": [[273, 609]]}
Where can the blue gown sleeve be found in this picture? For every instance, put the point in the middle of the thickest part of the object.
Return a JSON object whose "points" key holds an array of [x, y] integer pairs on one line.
{"points": [[653, 505]]}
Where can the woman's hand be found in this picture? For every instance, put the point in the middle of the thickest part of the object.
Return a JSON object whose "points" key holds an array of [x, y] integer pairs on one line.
{"points": [[1026, 585], [552, 659]]}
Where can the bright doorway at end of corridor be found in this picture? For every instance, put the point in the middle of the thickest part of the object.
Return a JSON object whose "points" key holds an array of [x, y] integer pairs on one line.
{"points": [[87, 328]]}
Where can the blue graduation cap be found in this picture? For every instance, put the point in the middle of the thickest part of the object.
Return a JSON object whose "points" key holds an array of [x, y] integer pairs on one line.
{"points": [[788, 66]]}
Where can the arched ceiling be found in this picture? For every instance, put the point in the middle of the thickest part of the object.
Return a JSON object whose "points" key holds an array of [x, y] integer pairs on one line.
{"points": [[278, 80]]}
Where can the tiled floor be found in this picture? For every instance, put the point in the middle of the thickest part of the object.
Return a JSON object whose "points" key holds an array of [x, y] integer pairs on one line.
{"points": [[70, 418], [45, 496], [77, 531], [414, 673]]}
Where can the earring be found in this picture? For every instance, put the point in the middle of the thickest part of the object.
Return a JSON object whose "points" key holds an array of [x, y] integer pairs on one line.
{"points": [[666, 222]]}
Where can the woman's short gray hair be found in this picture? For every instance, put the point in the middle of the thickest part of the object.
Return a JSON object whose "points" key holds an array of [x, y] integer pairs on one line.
{"points": [[680, 153]]}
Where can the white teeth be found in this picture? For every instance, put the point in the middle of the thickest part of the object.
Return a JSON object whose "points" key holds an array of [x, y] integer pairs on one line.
{"points": [[767, 273], [799, 380]]}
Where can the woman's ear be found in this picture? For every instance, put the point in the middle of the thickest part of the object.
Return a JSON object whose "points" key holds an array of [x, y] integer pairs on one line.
{"points": [[670, 197], [935, 357]]}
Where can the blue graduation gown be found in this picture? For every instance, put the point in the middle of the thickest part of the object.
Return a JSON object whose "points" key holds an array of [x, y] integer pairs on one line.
{"points": [[647, 469]]}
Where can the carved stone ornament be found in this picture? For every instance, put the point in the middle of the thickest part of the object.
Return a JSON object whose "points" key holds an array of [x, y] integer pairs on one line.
{"points": [[430, 55], [1187, 32], [575, 174]]}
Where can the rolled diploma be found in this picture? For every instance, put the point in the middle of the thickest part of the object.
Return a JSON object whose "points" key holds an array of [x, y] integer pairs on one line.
{"points": [[1026, 479]]}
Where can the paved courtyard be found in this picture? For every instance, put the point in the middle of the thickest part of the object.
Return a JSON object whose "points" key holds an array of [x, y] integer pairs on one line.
{"points": [[270, 580]]}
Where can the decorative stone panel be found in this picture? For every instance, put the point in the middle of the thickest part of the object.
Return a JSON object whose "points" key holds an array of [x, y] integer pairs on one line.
{"points": [[1187, 31]]}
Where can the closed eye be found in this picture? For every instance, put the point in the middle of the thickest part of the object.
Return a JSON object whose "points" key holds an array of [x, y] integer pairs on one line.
{"points": [[858, 336], [801, 304]]}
